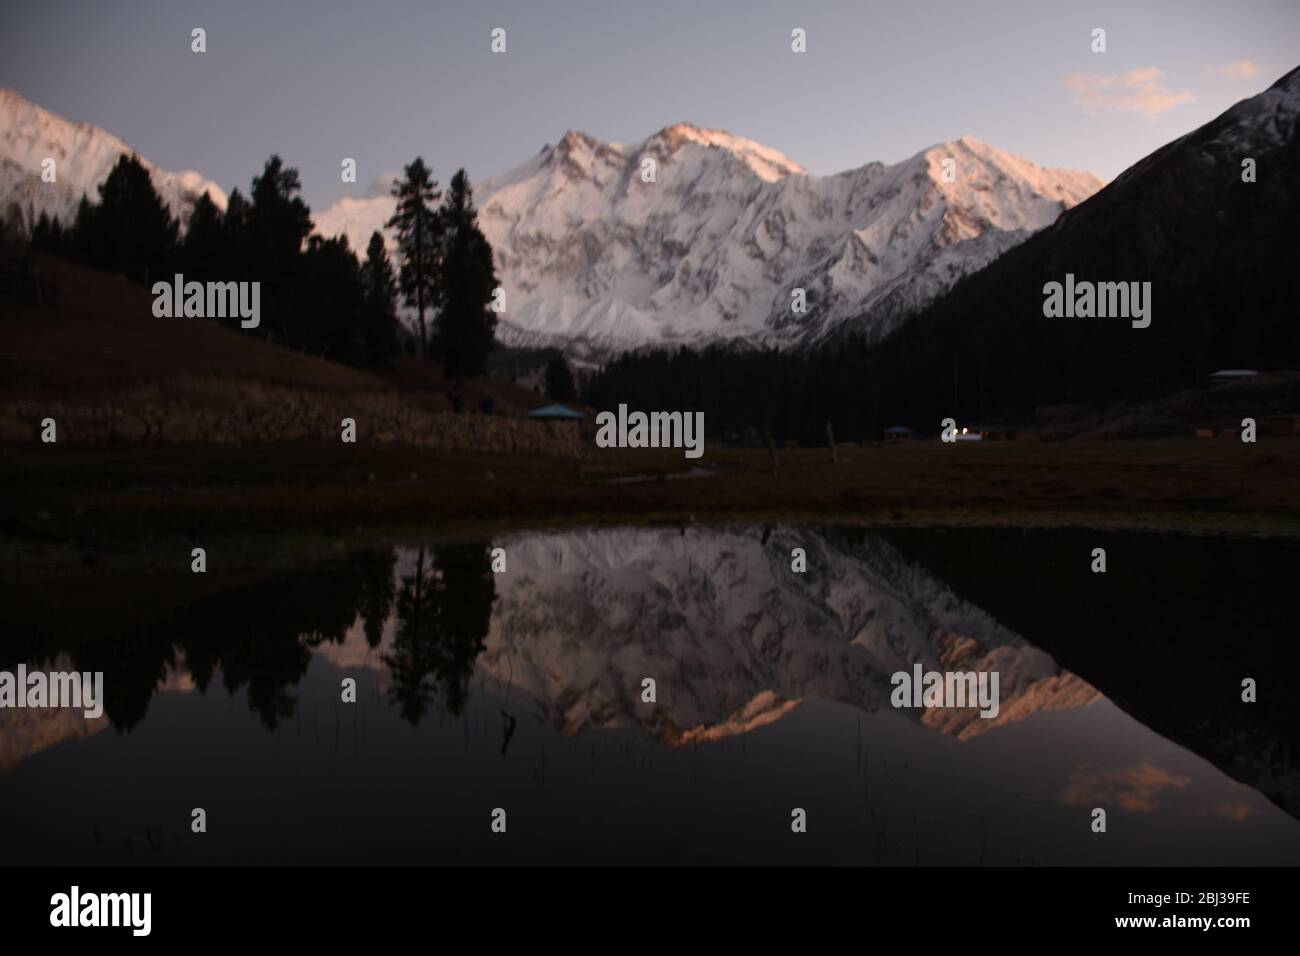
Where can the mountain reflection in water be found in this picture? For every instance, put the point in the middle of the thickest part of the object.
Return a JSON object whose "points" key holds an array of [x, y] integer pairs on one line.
{"points": [[524, 690]]}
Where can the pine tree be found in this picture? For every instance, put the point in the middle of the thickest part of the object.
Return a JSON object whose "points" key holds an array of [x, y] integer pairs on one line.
{"points": [[379, 314], [329, 298], [277, 224], [204, 250], [236, 217], [237, 261], [47, 235], [84, 242], [419, 231], [465, 332], [559, 380], [278, 220], [136, 234]]}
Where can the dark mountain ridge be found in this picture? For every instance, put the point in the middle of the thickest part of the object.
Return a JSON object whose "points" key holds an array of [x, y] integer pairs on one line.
{"points": [[1219, 251]]}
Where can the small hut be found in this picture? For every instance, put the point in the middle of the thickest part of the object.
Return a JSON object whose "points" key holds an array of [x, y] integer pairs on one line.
{"points": [[556, 413], [561, 422]]}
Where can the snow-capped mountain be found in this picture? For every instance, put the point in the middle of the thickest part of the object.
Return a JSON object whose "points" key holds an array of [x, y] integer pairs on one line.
{"points": [[83, 155], [595, 259]]}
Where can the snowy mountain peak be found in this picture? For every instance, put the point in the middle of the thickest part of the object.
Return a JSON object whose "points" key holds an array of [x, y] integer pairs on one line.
{"points": [[978, 166], [768, 164], [83, 155], [582, 154], [577, 143]]}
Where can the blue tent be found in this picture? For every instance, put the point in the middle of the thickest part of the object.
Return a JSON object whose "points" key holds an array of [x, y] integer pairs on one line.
{"points": [[898, 430], [556, 412]]}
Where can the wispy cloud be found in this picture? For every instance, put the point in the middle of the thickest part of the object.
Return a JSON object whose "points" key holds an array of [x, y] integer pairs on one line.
{"points": [[1137, 91], [1241, 70]]}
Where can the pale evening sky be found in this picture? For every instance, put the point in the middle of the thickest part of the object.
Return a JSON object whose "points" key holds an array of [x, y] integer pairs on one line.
{"points": [[385, 81]]}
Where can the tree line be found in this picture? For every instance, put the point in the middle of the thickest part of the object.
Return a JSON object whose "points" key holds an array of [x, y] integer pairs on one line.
{"points": [[317, 295]]}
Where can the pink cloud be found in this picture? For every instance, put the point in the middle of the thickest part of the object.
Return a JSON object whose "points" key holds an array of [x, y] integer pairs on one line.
{"points": [[1137, 91], [1241, 70]]}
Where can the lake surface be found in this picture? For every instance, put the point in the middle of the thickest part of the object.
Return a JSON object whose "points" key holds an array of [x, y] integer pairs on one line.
{"points": [[522, 690]]}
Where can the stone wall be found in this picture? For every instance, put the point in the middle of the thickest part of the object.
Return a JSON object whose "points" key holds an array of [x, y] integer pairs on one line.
{"points": [[240, 413]]}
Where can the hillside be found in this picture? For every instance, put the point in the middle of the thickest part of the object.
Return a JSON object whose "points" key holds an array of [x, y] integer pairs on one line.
{"points": [[75, 334], [1219, 253], [87, 335]]}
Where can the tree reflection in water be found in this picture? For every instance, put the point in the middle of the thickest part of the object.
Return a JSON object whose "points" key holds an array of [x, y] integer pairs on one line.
{"points": [[443, 611]]}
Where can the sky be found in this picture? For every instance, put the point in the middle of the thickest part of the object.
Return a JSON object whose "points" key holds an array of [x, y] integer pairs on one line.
{"points": [[383, 81]]}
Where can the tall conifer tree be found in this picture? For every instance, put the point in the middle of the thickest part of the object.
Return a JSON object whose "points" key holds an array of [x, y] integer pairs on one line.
{"points": [[131, 230], [419, 232], [379, 314], [466, 326]]}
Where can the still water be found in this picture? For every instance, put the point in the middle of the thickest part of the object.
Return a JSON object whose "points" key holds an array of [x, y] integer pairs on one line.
{"points": [[523, 690]]}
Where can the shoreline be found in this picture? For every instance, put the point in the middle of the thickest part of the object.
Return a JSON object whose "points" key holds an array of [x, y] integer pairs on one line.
{"points": [[136, 506]]}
